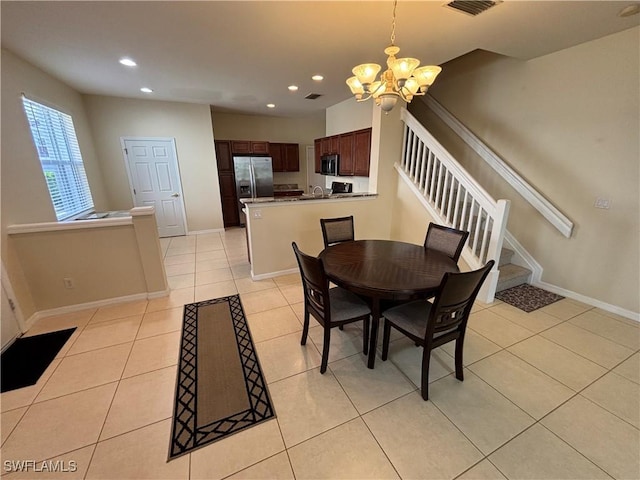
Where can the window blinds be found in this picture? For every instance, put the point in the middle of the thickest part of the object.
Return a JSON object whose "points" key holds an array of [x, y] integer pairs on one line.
{"points": [[55, 139]]}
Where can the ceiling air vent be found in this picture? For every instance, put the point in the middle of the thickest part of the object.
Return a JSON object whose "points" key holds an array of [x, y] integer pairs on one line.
{"points": [[472, 7], [313, 96]]}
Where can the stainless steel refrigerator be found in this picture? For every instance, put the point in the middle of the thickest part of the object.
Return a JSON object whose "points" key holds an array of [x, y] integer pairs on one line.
{"points": [[254, 179]]}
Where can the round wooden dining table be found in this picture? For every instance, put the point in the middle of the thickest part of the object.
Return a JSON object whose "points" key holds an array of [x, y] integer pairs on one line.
{"points": [[385, 270]]}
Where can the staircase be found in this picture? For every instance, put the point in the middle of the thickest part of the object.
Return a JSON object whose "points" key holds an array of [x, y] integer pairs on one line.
{"points": [[453, 198], [510, 274]]}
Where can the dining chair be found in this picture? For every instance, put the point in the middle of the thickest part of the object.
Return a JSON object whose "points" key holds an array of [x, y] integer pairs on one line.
{"points": [[431, 325], [337, 230], [446, 240], [331, 307]]}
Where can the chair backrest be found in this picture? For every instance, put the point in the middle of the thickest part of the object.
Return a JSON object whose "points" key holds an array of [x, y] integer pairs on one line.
{"points": [[449, 241], [337, 230], [454, 299], [315, 283]]}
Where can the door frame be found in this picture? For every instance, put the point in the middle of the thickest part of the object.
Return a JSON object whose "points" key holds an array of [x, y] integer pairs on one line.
{"points": [[311, 168], [17, 312], [175, 156]]}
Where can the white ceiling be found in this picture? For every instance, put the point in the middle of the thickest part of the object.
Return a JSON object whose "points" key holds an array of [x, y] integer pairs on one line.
{"points": [[240, 55]]}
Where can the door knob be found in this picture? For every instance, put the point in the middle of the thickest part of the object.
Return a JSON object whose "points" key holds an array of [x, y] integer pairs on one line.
{"points": [[175, 195]]}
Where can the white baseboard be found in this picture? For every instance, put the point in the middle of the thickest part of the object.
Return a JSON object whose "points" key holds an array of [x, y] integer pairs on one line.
{"points": [[96, 304], [588, 300], [204, 232], [280, 273]]}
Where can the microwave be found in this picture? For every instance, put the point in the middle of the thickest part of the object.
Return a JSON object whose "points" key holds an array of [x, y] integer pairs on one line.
{"points": [[329, 164]]}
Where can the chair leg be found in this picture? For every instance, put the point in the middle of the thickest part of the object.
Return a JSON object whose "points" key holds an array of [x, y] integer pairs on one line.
{"points": [[424, 381], [385, 339], [341, 327], [305, 328], [365, 336], [325, 349], [458, 359]]}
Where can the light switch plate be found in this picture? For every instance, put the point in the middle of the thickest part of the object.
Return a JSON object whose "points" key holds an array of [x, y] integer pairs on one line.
{"points": [[604, 203]]}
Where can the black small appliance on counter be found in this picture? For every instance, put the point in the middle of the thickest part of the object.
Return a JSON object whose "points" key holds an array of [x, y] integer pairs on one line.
{"points": [[341, 187]]}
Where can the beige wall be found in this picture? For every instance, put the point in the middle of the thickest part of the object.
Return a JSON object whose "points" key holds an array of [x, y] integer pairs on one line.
{"points": [[87, 256], [271, 235], [24, 194], [112, 118], [25, 197], [303, 131], [568, 123], [348, 116]]}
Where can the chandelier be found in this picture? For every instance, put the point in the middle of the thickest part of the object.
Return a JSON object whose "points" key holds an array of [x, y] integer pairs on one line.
{"points": [[402, 79]]}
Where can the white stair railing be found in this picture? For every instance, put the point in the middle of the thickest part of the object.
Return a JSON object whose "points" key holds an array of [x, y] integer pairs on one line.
{"points": [[454, 198]]}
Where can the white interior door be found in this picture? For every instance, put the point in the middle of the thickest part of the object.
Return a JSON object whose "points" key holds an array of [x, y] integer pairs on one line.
{"points": [[313, 178], [152, 165]]}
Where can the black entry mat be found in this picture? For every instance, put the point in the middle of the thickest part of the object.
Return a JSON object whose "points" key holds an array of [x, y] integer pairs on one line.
{"points": [[22, 364]]}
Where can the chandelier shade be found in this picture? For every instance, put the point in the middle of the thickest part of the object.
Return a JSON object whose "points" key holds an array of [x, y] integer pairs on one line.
{"points": [[403, 78]]}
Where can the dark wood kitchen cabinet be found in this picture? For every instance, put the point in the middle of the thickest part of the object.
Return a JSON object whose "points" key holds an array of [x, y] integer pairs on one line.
{"points": [[224, 156], [330, 145], [346, 146], [227, 182], [325, 146], [317, 151], [285, 157], [249, 147], [354, 149], [362, 152]]}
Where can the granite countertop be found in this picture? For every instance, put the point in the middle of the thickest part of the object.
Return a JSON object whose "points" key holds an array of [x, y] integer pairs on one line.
{"points": [[284, 187], [307, 197]]}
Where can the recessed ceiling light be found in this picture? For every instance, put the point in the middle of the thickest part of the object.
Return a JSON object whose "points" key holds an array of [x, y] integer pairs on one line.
{"points": [[146, 90], [317, 78], [629, 10], [293, 88], [271, 105], [127, 62]]}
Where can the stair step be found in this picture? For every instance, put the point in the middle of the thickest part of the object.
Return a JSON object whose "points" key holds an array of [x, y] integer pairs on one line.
{"points": [[512, 275], [505, 256]]}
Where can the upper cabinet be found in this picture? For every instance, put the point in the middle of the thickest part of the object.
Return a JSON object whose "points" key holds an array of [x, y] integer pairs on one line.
{"points": [[285, 157], [249, 147], [354, 149], [345, 150], [224, 155], [362, 152]]}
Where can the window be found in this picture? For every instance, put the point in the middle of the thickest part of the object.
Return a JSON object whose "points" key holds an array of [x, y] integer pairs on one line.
{"points": [[55, 139]]}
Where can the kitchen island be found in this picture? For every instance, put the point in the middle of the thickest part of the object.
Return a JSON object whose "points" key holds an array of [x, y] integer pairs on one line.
{"points": [[272, 223]]}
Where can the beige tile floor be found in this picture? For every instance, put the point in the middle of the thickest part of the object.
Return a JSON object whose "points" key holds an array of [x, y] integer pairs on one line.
{"points": [[551, 394]]}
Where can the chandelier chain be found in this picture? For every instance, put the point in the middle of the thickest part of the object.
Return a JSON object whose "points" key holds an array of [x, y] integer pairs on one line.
{"points": [[393, 23]]}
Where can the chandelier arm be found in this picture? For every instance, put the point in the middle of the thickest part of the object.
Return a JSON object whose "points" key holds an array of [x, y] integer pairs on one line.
{"points": [[365, 98]]}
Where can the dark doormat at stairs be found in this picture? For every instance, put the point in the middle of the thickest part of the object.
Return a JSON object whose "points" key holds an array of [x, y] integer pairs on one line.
{"points": [[527, 297], [22, 364]]}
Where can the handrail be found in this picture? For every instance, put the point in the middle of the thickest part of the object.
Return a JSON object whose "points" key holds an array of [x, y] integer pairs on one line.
{"points": [[453, 197], [528, 192]]}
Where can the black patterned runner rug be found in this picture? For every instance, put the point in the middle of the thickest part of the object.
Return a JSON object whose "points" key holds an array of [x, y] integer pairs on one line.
{"points": [[220, 388], [527, 297]]}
